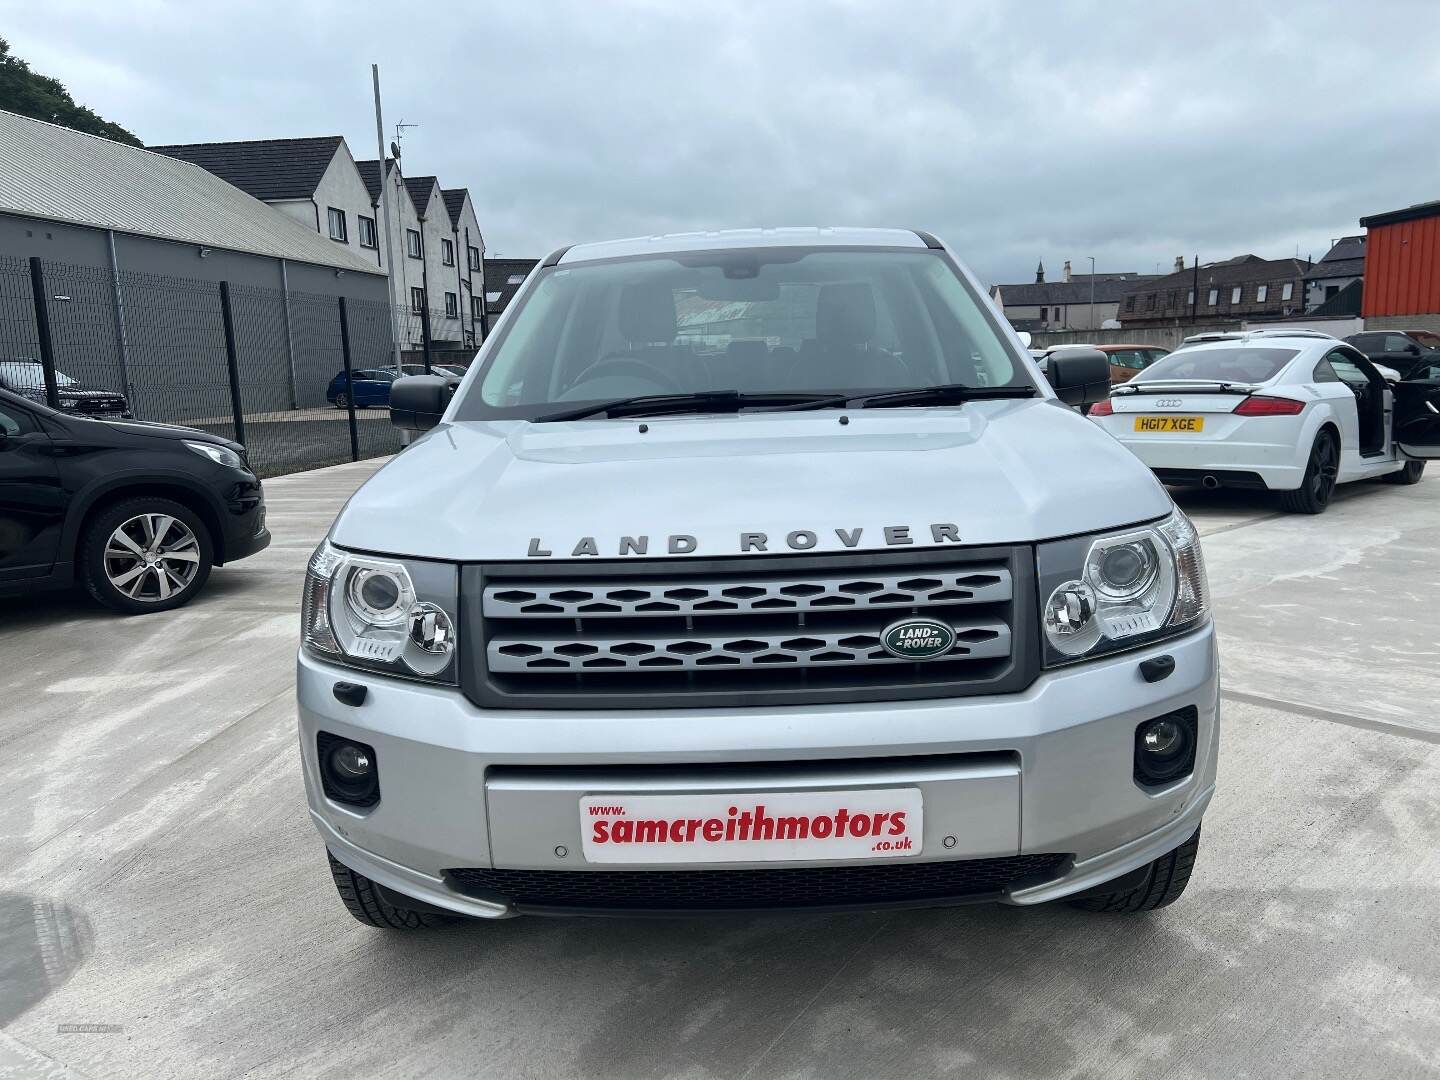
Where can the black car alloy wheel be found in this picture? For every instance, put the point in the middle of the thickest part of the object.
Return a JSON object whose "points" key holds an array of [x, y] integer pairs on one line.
{"points": [[145, 554], [151, 556]]}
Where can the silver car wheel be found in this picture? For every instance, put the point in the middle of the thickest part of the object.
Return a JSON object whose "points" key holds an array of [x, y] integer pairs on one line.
{"points": [[151, 557]]}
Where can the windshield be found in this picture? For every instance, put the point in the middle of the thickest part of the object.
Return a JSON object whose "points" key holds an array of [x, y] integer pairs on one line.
{"points": [[766, 320], [1225, 364], [28, 375]]}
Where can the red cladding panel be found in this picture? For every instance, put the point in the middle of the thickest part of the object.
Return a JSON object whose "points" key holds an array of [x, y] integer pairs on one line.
{"points": [[1402, 268]]}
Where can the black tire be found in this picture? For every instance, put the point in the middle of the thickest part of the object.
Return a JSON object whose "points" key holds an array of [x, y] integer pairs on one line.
{"points": [[374, 906], [1313, 494], [342, 400], [1410, 474], [96, 567], [1165, 879]]}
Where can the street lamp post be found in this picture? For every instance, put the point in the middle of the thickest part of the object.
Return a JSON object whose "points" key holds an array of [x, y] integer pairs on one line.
{"points": [[1092, 290]]}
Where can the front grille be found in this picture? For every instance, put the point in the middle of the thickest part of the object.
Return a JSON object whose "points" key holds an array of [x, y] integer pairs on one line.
{"points": [[744, 631], [738, 890]]}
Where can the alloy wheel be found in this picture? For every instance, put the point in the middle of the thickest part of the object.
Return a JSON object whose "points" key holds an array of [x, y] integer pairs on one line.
{"points": [[151, 557], [1326, 465]]}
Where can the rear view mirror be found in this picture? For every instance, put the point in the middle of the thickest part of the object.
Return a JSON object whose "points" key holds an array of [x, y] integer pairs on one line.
{"points": [[1079, 376], [418, 401]]}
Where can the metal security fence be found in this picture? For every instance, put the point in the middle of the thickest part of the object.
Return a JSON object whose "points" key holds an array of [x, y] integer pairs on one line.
{"points": [[301, 379]]}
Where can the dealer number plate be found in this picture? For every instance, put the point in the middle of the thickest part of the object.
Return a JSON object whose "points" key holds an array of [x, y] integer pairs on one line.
{"points": [[758, 827], [1169, 423]]}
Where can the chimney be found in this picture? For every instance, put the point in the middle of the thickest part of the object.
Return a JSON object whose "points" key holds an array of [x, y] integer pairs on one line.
{"points": [[1040, 273], [1179, 263], [1067, 269]]}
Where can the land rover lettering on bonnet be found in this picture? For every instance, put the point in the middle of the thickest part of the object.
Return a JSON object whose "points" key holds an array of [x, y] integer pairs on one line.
{"points": [[794, 540], [756, 570]]}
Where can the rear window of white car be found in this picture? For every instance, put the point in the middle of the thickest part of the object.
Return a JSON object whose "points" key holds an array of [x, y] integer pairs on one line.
{"points": [[1238, 364]]}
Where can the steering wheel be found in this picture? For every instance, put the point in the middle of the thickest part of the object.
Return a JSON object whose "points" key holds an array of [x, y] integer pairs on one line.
{"points": [[615, 364]]}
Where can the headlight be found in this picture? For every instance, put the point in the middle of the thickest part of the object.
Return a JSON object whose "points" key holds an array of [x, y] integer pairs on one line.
{"points": [[1101, 594], [382, 614], [221, 455]]}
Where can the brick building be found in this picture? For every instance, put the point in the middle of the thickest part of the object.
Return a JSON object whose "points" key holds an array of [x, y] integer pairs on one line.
{"points": [[1245, 288], [1079, 302]]}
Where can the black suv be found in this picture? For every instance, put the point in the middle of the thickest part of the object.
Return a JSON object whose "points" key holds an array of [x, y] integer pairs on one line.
{"points": [[27, 378], [1407, 351], [137, 513]]}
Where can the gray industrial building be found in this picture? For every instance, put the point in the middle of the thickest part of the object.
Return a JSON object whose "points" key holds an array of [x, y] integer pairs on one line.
{"points": [[67, 196], [131, 249]]}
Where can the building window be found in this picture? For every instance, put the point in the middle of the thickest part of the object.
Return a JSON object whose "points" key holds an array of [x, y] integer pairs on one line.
{"points": [[1287, 290], [447, 253], [367, 232], [1189, 297], [492, 297], [412, 244], [417, 300], [337, 225], [1236, 293], [515, 279], [477, 307], [1150, 302], [1172, 298], [1261, 292], [1129, 303], [473, 253], [452, 306], [1213, 297]]}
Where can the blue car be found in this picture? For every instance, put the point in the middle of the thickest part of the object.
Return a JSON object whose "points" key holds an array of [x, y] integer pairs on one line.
{"points": [[369, 386]]}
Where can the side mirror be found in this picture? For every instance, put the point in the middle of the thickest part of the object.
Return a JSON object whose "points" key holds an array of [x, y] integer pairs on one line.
{"points": [[1025, 338], [1080, 376], [1413, 349], [418, 401]]}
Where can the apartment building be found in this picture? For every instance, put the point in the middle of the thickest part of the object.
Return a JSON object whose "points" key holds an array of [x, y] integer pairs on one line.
{"points": [[438, 247]]}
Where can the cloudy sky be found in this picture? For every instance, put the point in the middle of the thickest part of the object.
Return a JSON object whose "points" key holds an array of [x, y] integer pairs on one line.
{"points": [[1133, 132]]}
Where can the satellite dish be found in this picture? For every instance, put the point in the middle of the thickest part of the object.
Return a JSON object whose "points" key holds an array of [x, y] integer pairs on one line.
{"points": [[395, 150]]}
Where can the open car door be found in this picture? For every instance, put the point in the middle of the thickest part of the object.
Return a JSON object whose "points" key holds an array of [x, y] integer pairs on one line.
{"points": [[1417, 413]]}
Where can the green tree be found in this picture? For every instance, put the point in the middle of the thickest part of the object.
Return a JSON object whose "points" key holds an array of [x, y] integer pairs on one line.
{"points": [[23, 91]]}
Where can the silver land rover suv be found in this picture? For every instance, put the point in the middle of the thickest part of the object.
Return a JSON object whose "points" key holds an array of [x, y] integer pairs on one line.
{"points": [[756, 570]]}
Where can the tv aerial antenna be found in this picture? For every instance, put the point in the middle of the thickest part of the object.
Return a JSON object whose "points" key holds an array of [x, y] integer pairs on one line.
{"points": [[399, 137]]}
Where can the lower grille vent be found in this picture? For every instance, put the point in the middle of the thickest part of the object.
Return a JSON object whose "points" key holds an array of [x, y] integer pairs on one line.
{"points": [[740, 890]]}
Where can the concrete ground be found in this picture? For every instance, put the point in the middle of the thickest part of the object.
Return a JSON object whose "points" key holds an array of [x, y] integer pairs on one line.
{"points": [[165, 909]]}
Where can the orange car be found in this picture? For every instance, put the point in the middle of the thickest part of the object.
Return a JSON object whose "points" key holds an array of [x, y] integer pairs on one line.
{"points": [[1127, 361]]}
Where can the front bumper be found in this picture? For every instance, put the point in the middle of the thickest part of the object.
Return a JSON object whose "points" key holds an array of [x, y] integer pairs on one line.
{"points": [[1045, 770], [244, 521]]}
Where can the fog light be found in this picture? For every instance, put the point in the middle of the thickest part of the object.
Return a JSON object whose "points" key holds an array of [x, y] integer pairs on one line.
{"points": [[351, 762], [348, 771], [1165, 747], [1161, 737]]}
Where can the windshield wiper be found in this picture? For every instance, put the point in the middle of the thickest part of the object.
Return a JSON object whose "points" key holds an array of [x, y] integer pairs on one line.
{"points": [[945, 394], [702, 401]]}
